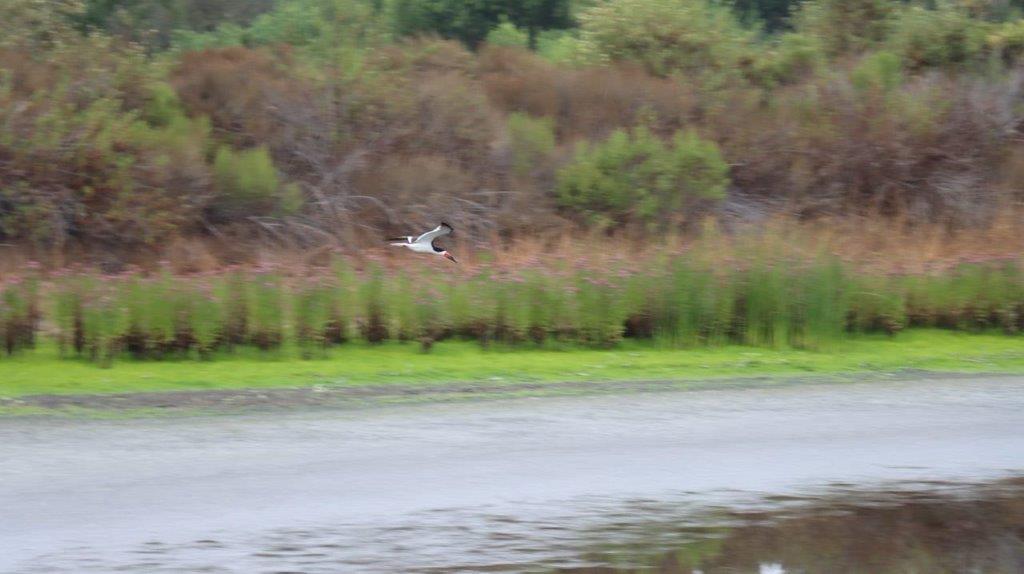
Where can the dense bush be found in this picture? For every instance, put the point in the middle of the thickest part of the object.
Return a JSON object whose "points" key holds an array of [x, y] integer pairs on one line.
{"points": [[939, 37], [324, 29], [531, 141], [471, 22], [76, 164], [319, 121], [847, 25], [589, 102], [153, 22], [694, 37], [247, 183], [636, 177]]}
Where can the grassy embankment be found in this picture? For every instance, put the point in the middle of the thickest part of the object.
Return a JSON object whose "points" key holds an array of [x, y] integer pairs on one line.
{"points": [[700, 314], [42, 372]]}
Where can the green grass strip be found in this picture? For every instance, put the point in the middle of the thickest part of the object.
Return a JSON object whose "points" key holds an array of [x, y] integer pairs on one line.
{"points": [[42, 372]]}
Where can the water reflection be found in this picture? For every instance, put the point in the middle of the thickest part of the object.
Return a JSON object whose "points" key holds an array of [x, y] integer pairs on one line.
{"points": [[934, 528], [944, 529]]}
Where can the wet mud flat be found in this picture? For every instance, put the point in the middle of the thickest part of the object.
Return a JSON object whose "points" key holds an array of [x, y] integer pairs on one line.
{"points": [[873, 477], [249, 400], [929, 526], [933, 527]]}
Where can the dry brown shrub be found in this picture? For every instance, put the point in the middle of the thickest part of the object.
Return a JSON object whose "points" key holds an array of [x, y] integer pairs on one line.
{"points": [[877, 245], [190, 255], [416, 186], [424, 189], [925, 151], [450, 116], [25, 74], [517, 80], [239, 90], [1011, 179], [424, 56], [76, 161], [588, 102]]}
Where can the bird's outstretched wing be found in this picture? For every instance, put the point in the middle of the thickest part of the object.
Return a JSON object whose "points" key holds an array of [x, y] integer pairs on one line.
{"points": [[439, 231], [406, 239]]}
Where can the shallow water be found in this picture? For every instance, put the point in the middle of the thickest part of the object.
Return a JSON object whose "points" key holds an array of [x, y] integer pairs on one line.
{"points": [[824, 478], [904, 527]]}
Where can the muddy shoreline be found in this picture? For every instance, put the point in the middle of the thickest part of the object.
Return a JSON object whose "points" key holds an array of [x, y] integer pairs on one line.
{"points": [[246, 400], [479, 485]]}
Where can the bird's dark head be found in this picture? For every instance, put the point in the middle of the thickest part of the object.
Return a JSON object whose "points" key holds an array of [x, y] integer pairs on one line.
{"points": [[449, 256]]}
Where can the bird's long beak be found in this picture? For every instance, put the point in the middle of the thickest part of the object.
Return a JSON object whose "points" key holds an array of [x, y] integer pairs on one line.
{"points": [[450, 256]]}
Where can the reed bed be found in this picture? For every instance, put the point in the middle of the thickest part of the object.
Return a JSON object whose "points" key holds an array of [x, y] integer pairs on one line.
{"points": [[675, 300]]}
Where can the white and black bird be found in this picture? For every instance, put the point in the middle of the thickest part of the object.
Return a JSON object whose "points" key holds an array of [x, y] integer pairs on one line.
{"points": [[425, 242]]}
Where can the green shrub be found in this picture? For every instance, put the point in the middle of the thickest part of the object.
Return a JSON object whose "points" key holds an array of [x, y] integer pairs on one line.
{"points": [[248, 184], [19, 315], [695, 37], [311, 304], [700, 168], [267, 312], [791, 57], [319, 27], [531, 140], [938, 37], [560, 47], [470, 22], [79, 165], [507, 34], [846, 25], [635, 176], [880, 72], [1006, 41]]}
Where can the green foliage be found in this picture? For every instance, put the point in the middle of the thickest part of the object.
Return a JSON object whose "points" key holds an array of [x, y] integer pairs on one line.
{"points": [[77, 161], [162, 107], [694, 37], [153, 22], [327, 29], [774, 14], [1006, 41], [531, 140], [879, 72], [247, 182], [19, 315], [701, 170], [792, 56], [470, 22], [942, 36], [847, 25], [402, 368], [877, 304], [560, 46], [536, 16], [267, 312], [692, 305], [38, 26], [507, 34], [688, 300], [104, 143], [635, 176]]}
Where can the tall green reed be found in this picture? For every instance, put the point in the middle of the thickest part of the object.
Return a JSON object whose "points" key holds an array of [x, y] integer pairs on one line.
{"points": [[19, 314], [678, 301]]}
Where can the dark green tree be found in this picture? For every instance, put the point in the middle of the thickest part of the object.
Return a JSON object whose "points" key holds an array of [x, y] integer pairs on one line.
{"points": [[470, 20], [773, 13], [152, 21], [538, 15]]}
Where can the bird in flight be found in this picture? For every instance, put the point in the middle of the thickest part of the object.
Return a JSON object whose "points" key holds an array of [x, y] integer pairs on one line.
{"points": [[425, 242]]}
